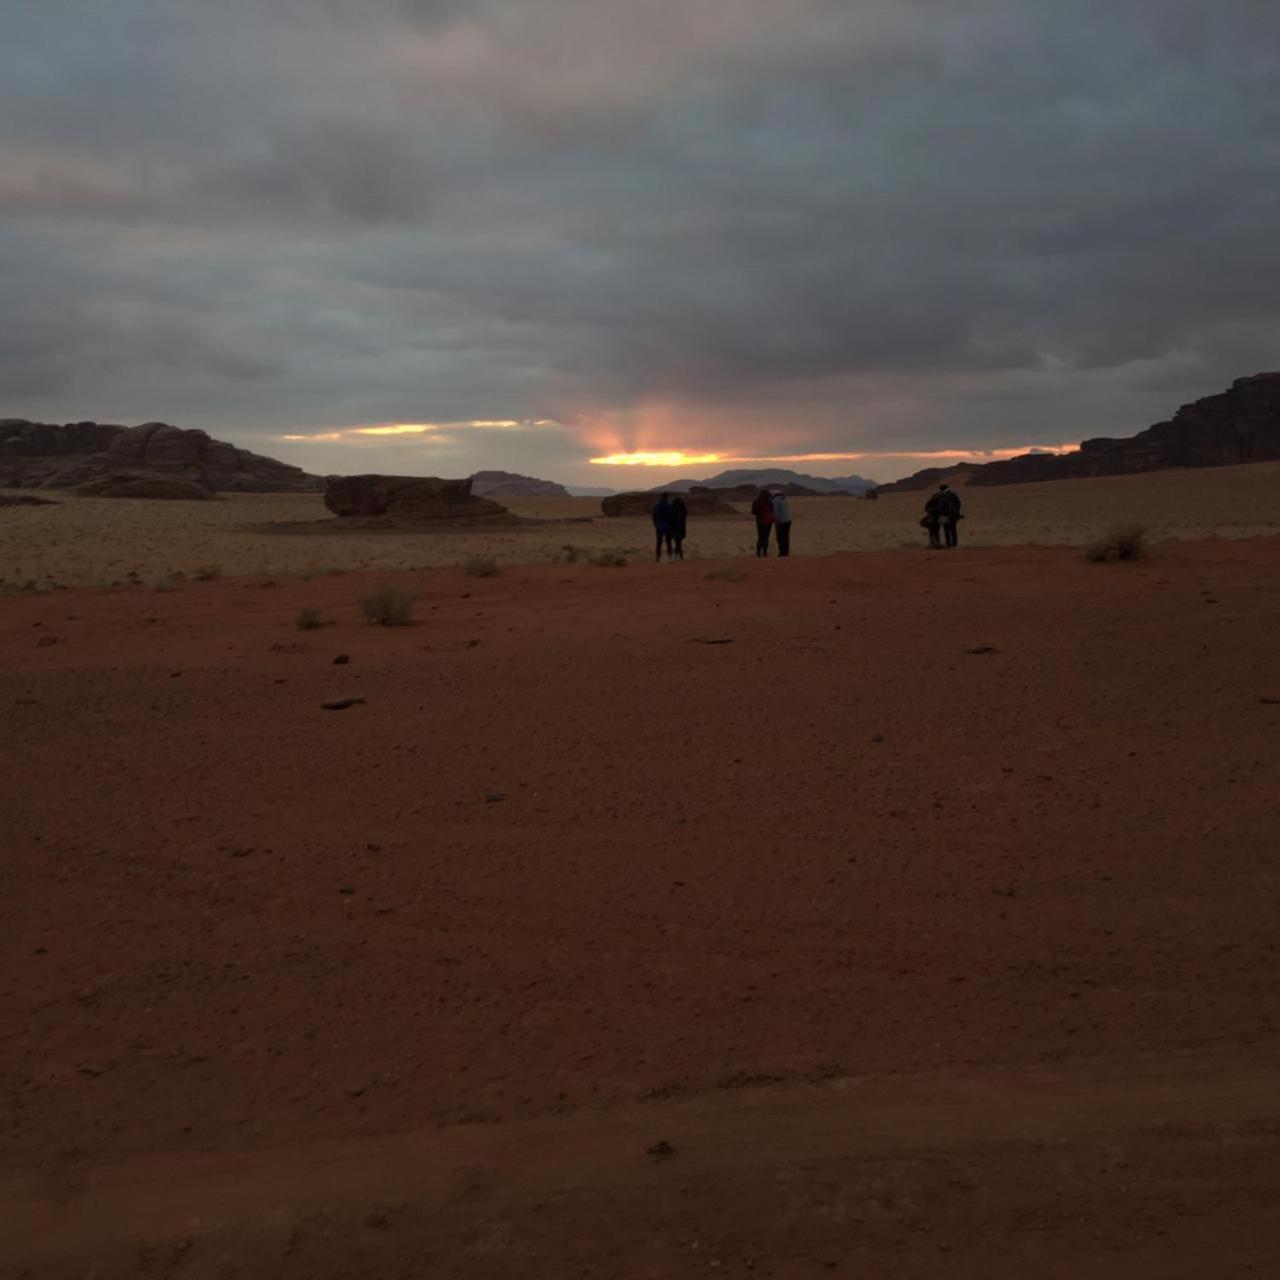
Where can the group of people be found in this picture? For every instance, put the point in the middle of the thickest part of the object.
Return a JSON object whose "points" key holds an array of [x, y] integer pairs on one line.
{"points": [[670, 523], [772, 510], [941, 515]]}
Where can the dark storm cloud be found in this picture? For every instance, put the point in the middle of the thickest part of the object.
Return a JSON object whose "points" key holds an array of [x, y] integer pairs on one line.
{"points": [[883, 226]]}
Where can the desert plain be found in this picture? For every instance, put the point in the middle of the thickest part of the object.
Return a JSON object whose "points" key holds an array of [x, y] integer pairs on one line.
{"points": [[879, 912]]}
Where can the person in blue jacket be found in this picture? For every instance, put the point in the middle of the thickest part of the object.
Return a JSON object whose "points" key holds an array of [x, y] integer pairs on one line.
{"points": [[662, 526]]}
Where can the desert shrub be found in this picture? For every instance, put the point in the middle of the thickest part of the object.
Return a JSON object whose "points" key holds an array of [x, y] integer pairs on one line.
{"points": [[164, 584], [1126, 542], [480, 567], [207, 573], [606, 559], [309, 620], [571, 553], [388, 606], [726, 573]]}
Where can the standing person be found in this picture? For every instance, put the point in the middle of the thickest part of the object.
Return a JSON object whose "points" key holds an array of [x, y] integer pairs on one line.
{"points": [[782, 518], [762, 509], [662, 526], [678, 515], [932, 520], [950, 500]]}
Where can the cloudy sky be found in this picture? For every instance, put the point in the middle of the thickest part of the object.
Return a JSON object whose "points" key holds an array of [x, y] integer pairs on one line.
{"points": [[437, 235]]}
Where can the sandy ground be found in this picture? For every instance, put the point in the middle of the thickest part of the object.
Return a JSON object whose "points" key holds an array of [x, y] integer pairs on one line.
{"points": [[923, 905], [97, 541]]}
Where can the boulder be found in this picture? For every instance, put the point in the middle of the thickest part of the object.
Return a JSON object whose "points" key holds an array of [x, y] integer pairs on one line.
{"points": [[699, 502], [43, 455], [144, 485], [411, 499]]}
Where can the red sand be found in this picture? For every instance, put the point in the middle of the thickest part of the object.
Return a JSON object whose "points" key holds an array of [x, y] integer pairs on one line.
{"points": [[926, 961]]}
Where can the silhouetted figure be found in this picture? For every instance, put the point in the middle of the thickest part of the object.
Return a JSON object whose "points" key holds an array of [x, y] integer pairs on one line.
{"points": [[662, 526], [950, 500], [931, 521], [678, 516], [762, 509], [782, 521]]}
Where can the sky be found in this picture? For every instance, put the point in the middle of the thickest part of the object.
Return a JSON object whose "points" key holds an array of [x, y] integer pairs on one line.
{"points": [[614, 242]]}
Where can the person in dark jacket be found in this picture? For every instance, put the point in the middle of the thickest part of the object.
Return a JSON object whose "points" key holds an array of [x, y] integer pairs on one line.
{"points": [[782, 522], [662, 525], [932, 519], [678, 516], [762, 509], [950, 501]]}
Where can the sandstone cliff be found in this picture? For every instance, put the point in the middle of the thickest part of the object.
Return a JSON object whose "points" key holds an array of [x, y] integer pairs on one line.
{"points": [[42, 455]]}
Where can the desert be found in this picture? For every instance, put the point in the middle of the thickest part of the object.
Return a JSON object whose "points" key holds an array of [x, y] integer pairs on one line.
{"points": [[879, 910]]}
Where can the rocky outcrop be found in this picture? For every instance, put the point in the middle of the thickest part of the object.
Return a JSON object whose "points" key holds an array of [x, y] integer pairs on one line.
{"points": [[932, 477], [145, 485], [699, 502], [508, 484], [1241, 424], [408, 499], [1238, 425], [41, 455]]}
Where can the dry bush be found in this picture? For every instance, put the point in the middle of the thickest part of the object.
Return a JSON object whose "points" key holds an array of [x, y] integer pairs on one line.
{"points": [[1125, 542], [309, 620], [480, 567], [607, 559], [727, 573], [388, 606], [207, 573], [571, 553]]}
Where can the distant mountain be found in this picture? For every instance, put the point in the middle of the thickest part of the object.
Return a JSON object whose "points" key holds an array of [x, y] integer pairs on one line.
{"points": [[589, 491], [772, 475], [1241, 424], [508, 484]]}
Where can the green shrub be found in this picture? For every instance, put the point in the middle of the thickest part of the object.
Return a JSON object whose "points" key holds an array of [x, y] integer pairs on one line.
{"points": [[1126, 542], [388, 606], [607, 559], [480, 567]]}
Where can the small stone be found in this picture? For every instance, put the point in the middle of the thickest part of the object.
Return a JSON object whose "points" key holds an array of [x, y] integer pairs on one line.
{"points": [[661, 1150], [346, 888], [341, 704], [983, 648], [495, 797], [45, 641], [341, 660], [355, 1091]]}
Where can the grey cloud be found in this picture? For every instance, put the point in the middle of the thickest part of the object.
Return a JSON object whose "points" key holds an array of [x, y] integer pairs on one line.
{"points": [[908, 223]]}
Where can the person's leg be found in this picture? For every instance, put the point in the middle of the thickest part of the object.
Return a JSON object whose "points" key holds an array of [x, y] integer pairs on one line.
{"points": [[679, 551], [784, 538], [955, 533], [762, 537], [934, 540], [949, 529], [657, 546]]}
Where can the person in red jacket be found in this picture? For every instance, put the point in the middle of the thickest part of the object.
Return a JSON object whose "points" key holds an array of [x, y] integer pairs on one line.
{"points": [[762, 509]]}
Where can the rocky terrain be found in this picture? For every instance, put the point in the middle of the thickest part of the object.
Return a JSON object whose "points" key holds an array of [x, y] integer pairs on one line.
{"points": [[509, 484], [409, 499], [796, 483], [44, 455], [1241, 424]]}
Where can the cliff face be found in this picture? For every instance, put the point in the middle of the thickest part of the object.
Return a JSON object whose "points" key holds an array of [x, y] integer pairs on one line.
{"points": [[1238, 425], [42, 455], [1241, 424]]}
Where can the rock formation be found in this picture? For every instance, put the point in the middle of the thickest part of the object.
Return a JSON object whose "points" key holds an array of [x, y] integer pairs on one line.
{"points": [[408, 499], [700, 503], [41, 455], [143, 484], [508, 484], [1241, 424]]}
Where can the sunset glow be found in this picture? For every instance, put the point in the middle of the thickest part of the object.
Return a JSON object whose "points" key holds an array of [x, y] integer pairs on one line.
{"points": [[678, 458]]}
